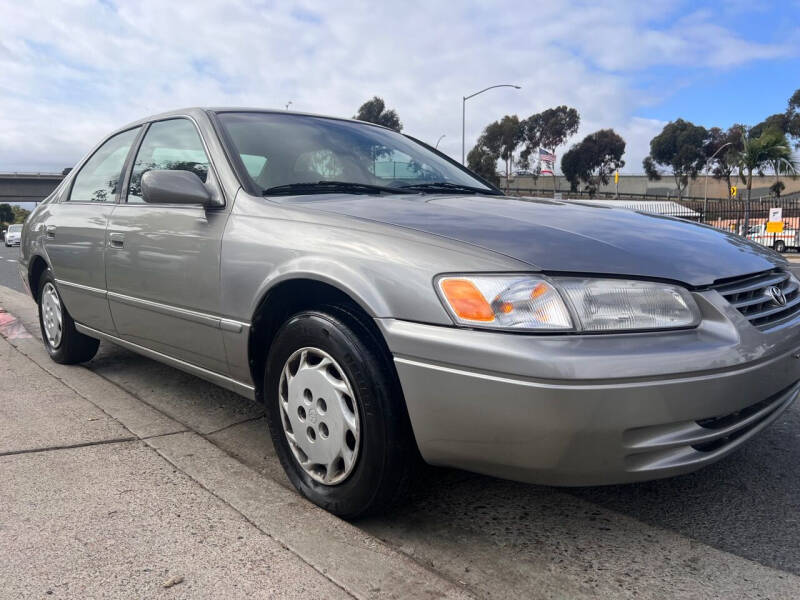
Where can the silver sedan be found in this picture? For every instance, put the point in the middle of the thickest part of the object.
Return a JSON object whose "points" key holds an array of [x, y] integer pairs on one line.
{"points": [[12, 235], [387, 305]]}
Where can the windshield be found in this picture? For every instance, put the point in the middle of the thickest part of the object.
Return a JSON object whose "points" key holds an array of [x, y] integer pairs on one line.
{"points": [[297, 150], [14, 228]]}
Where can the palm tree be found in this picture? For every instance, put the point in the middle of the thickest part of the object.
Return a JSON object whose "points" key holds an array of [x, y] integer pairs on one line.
{"points": [[770, 149]]}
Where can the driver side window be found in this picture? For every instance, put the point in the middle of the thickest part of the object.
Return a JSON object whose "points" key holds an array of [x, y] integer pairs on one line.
{"points": [[173, 145]]}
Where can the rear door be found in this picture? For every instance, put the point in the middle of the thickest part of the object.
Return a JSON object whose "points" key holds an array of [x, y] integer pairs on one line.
{"points": [[75, 231], [163, 261]]}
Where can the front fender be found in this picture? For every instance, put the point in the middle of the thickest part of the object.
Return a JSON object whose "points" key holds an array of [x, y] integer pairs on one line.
{"points": [[317, 268]]}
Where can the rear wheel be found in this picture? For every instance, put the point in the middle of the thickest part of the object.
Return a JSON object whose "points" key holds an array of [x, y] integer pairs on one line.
{"points": [[779, 246], [336, 415], [64, 343]]}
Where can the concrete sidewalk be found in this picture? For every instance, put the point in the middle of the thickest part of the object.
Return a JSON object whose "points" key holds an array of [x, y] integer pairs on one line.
{"points": [[90, 511], [105, 496]]}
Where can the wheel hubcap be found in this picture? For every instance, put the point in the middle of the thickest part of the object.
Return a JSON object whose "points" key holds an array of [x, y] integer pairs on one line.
{"points": [[319, 415], [51, 315]]}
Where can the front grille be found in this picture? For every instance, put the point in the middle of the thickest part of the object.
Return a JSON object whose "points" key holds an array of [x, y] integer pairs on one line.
{"points": [[749, 295]]}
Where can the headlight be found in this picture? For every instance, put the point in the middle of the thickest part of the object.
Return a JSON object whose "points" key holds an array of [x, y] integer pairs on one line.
{"points": [[533, 303]]}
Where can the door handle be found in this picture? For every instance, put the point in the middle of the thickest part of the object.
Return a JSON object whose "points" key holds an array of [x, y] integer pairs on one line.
{"points": [[50, 232], [116, 240]]}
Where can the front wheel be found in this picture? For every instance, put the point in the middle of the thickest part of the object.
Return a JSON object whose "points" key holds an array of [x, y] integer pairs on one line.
{"points": [[779, 246], [64, 343], [336, 414]]}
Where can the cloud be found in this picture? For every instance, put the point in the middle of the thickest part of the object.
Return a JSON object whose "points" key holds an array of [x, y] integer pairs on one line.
{"points": [[89, 67]]}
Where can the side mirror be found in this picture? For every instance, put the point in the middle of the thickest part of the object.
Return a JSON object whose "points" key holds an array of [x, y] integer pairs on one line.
{"points": [[174, 187]]}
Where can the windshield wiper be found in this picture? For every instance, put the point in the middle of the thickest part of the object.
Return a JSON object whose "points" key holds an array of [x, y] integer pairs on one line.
{"points": [[326, 187], [447, 188]]}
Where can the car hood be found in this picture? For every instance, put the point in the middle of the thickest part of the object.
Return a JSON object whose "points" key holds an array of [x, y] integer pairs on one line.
{"points": [[565, 237]]}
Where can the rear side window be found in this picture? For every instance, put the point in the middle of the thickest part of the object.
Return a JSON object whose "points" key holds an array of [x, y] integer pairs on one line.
{"points": [[100, 177], [171, 145]]}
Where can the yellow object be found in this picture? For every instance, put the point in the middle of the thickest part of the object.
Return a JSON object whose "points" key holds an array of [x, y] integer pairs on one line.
{"points": [[616, 176], [775, 227], [734, 189]]}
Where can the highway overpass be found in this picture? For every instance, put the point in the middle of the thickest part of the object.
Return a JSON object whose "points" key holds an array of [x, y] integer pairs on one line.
{"points": [[25, 188]]}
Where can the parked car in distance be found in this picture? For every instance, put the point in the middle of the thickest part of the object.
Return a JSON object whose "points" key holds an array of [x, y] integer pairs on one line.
{"points": [[12, 235], [384, 303]]}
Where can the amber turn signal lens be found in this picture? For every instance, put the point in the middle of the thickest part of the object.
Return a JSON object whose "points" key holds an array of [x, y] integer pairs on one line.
{"points": [[539, 290], [466, 300]]}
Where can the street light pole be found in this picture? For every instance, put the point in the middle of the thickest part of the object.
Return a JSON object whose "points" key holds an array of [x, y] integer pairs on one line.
{"points": [[705, 191], [464, 113]]}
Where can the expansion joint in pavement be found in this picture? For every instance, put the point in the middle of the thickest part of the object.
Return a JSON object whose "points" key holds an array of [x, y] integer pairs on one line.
{"points": [[231, 425]]}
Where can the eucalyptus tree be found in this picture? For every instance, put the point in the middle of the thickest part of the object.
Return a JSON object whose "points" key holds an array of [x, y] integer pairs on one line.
{"points": [[548, 129], [723, 148], [375, 111], [680, 147], [483, 161], [499, 141], [594, 159]]}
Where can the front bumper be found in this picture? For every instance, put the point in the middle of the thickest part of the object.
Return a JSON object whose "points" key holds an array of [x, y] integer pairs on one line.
{"points": [[591, 410], [13, 242]]}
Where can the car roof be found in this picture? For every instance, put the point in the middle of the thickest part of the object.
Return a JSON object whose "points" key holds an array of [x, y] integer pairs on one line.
{"points": [[194, 111]]}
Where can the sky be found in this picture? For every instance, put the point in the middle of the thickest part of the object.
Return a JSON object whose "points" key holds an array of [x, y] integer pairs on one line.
{"points": [[71, 71]]}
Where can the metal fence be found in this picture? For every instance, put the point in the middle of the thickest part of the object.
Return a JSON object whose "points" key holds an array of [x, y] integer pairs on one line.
{"points": [[736, 215]]}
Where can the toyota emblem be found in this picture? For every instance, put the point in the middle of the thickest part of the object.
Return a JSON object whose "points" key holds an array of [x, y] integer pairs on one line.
{"points": [[776, 295]]}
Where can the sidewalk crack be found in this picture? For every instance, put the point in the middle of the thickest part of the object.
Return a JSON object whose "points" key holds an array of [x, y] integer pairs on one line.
{"points": [[70, 446]]}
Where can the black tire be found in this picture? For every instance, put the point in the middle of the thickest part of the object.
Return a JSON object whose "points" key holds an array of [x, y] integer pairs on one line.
{"points": [[387, 453], [779, 246], [74, 347]]}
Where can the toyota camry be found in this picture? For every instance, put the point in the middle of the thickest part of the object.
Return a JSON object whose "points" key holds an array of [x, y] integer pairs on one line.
{"points": [[386, 305]]}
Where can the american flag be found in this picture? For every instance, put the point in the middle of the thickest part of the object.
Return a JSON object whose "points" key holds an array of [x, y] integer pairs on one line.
{"points": [[546, 156], [547, 161]]}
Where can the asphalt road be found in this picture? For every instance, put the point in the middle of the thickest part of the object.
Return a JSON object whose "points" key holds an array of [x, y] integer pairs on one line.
{"points": [[9, 276], [729, 530]]}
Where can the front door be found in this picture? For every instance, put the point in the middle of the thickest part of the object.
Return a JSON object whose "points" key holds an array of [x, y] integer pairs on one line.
{"points": [[163, 261], [75, 234]]}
